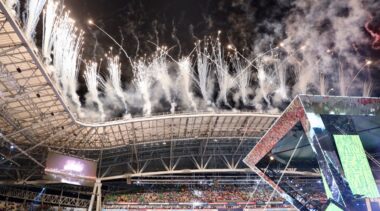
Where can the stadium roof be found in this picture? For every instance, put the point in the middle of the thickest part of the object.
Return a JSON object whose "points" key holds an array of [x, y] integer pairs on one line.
{"points": [[34, 119], [33, 110]]}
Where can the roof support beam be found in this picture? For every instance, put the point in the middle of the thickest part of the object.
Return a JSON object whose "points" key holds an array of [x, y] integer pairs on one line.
{"points": [[21, 150]]}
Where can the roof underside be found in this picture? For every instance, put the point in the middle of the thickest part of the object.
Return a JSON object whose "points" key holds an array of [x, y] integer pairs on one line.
{"points": [[32, 110]]}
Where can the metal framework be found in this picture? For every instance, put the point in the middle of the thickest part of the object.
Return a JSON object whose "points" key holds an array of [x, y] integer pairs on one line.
{"points": [[33, 110], [59, 200], [308, 111]]}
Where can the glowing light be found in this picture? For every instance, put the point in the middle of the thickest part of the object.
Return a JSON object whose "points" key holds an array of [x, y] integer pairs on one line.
{"points": [[34, 9], [195, 204], [72, 165], [368, 62], [271, 157], [90, 22]]}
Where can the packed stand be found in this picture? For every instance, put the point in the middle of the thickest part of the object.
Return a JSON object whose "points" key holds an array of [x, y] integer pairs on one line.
{"points": [[201, 194]]}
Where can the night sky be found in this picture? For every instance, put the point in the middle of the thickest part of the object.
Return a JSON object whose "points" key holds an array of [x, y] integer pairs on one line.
{"points": [[247, 24]]}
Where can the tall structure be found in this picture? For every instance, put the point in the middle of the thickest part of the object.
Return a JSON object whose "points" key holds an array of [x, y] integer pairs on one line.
{"points": [[334, 134]]}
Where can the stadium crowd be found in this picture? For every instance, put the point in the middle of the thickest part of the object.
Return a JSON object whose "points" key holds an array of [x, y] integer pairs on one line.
{"points": [[202, 194]]}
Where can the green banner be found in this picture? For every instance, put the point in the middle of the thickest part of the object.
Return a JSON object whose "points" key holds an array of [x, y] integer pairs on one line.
{"points": [[355, 165]]}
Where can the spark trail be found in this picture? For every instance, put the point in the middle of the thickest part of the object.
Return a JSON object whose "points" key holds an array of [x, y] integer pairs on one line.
{"points": [[49, 20], [162, 76], [210, 77], [115, 79], [34, 9], [186, 79], [223, 76], [67, 42], [93, 81], [243, 77], [204, 71], [143, 81]]}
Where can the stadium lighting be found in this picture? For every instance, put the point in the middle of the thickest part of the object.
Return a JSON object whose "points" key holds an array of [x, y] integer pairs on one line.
{"points": [[368, 62], [271, 157], [12, 147], [330, 90], [230, 47], [195, 204], [90, 22]]}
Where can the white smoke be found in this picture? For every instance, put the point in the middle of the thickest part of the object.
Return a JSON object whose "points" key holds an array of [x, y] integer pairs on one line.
{"points": [[67, 41], [324, 35], [14, 5], [317, 54], [33, 11], [49, 20], [93, 82]]}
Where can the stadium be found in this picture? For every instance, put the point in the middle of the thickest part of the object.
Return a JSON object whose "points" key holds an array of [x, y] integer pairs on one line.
{"points": [[195, 151]]}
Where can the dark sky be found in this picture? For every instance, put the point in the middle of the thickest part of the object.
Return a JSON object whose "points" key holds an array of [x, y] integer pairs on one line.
{"points": [[173, 19], [182, 22], [173, 23]]}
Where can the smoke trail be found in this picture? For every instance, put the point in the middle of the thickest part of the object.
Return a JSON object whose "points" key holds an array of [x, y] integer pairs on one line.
{"points": [[14, 5], [367, 88], [327, 31], [93, 81], [137, 44], [95, 46], [114, 80], [49, 19], [174, 36], [33, 9], [186, 79]]}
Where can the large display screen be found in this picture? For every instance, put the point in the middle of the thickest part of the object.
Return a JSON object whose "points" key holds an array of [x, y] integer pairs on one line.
{"points": [[355, 165], [72, 170]]}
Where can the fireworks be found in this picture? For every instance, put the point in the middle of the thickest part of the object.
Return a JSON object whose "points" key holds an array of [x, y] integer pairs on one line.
{"points": [[49, 19], [186, 79], [213, 76], [144, 81], [93, 81], [204, 72], [34, 9], [114, 81]]}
